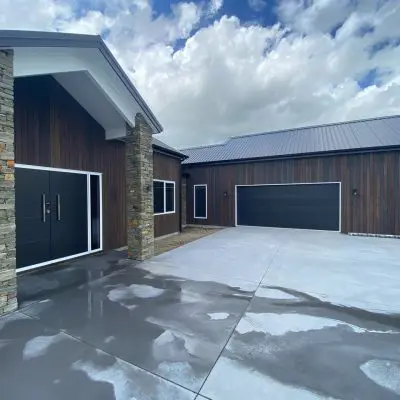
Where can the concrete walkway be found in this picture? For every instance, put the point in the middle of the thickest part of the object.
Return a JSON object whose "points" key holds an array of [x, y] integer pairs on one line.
{"points": [[244, 313]]}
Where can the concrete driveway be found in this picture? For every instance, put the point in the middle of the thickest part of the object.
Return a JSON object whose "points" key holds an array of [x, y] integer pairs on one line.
{"points": [[245, 313]]}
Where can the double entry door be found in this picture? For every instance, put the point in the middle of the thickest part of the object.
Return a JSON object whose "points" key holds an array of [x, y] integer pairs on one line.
{"points": [[51, 215]]}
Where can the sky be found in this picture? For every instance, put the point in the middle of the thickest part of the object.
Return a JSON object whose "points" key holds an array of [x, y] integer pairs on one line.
{"points": [[212, 69]]}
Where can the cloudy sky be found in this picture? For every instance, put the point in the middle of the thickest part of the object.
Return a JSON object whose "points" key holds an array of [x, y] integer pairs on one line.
{"points": [[211, 69]]}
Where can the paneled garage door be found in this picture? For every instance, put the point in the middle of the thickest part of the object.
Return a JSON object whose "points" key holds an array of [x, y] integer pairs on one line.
{"points": [[302, 206]]}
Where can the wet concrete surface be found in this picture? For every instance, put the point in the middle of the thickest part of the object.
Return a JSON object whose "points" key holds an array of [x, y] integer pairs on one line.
{"points": [[38, 285], [297, 346], [174, 328], [38, 362], [243, 313]]}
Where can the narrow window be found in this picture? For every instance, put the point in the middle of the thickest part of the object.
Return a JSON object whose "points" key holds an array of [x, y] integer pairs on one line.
{"points": [[158, 188], [200, 201], [169, 197], [95, 210]]}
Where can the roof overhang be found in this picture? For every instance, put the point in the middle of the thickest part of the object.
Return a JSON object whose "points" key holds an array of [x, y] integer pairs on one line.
{"points": [[170, 153], [85, 67]]}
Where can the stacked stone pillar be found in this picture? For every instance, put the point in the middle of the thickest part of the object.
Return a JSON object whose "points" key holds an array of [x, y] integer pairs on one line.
{"points": [[8, 285], [139, 183]]}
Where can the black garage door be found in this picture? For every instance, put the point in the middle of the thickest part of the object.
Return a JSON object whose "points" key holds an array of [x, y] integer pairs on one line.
{"points": [[309, 206]]}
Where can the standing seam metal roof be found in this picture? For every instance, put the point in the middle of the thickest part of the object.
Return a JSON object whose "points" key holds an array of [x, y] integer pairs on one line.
{"points": [[345, 136]]}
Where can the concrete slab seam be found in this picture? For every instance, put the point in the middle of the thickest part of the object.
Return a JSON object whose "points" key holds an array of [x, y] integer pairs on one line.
{"points": [[105, 352]]}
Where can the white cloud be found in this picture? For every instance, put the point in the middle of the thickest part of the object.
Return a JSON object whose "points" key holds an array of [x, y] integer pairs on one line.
{"points": [[257, 5], [231, 77], [28, 15], [215, 6], [92, 23], [316, 15]]}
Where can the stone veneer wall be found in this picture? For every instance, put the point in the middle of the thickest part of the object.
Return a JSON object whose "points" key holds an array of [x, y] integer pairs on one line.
{"points": [[8, 284], [139, 182], [183, 202]]}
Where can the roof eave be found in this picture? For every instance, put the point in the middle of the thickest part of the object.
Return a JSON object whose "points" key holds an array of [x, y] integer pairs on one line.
{"points": [[165, 151], [13, 39], [299, 155]]}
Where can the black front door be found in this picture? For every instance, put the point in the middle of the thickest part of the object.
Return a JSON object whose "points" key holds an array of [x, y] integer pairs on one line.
{"points": [[68, 194], [32, 217], [51, 215], [308, 206]]}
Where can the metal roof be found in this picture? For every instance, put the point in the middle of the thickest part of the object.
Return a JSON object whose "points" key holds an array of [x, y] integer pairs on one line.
{"points": [[345, 136], [163, 146], [12, 39]]}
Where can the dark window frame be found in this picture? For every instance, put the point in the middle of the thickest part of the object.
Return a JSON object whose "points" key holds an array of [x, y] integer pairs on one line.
{"points": [[194, 201], [164, 182]]}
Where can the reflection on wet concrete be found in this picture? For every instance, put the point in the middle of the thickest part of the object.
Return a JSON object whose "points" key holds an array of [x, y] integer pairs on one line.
{"points": [[39, 363], [104, 328], [293, 345], [39, 285], [175, 328]]}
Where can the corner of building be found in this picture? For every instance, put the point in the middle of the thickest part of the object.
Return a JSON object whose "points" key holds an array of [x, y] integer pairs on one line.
{"points": [[8, 282]]}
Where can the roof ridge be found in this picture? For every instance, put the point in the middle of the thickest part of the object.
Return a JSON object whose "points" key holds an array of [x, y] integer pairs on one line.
{"points": [[205, 146], [313, 126]]}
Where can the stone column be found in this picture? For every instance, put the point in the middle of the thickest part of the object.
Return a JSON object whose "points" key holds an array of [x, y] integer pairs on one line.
{"points": [[8, 285], [139, 185]]}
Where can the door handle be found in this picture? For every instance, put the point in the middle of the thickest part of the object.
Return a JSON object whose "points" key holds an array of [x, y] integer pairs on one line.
{"points": [[58, 207], [43, 207]]}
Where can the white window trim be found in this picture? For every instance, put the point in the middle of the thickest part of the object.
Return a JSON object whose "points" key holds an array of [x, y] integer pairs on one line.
{"points": [[194, 201], [89, 216], [165, 197]]}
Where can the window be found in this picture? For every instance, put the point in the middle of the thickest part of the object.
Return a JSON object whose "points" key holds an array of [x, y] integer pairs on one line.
{"points": [[200, 201], [95, 211], [158, 193], [164, 197], [169, 197]]}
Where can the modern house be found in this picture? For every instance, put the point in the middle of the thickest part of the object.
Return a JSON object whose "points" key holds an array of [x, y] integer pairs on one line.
{"points": [[340, 177], [80, 171], [76, 157]]}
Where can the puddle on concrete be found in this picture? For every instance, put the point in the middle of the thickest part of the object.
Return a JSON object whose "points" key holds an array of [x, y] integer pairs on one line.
{"points": [[330, 350]]}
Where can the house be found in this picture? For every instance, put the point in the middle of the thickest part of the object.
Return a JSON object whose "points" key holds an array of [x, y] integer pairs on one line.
{"points": [[77, 157], [339, 177]]}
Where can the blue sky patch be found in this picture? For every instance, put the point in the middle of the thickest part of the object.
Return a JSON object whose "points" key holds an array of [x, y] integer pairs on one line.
{"points": [[373, 77], [383, 44]]}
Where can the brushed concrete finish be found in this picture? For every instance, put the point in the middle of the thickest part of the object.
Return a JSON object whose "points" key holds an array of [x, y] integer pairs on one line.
{"points": [[245, 313], [354, 271], [231, 254]]}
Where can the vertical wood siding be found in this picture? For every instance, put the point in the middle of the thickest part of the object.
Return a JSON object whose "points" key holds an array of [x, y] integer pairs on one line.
{"points": [[53, 130], [375, 175], [169, 169]]}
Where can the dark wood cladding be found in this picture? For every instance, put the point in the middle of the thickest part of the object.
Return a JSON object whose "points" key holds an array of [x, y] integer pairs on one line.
{"points": [[169, 169], [376, 176], [53, 130]]}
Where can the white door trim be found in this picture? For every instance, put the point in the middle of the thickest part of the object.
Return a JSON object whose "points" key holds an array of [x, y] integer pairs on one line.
{"points": [[292, 184], [89, 217], [72, 171]]}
